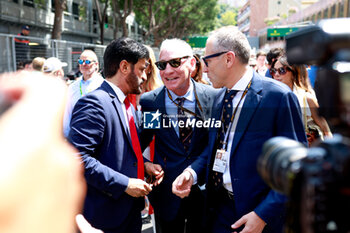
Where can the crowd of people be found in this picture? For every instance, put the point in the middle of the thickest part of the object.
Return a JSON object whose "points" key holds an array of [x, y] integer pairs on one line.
{"points": [[198, 178]]}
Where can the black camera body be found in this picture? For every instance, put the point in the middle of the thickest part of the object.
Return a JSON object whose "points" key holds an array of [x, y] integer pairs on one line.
{"points": [[317, 179]]}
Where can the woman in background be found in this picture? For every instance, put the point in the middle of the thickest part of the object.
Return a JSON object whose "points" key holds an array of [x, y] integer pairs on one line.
{"points": [[197, 74], [296, 78]]}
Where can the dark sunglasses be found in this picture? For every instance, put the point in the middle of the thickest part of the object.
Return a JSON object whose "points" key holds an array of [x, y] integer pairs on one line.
{"points": [[211, 56], [281, 70], [176, 62], [87, 62]]}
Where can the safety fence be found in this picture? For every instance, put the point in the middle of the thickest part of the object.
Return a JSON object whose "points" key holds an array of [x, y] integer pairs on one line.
{"points": [[13, 54]]}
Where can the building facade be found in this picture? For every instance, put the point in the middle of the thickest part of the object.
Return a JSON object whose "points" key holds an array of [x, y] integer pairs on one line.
{"points": [[80, 21], [311, 13], [258, 14]]}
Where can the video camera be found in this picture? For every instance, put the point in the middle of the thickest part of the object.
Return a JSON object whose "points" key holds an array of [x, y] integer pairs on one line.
{"points": [[317, 180]]}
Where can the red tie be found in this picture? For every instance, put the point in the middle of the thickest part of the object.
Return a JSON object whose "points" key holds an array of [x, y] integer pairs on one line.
{"points": [[135, 140]]}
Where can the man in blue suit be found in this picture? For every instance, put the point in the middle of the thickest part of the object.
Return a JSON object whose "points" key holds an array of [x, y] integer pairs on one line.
{"points": [[177, 146], [253, 109], [103, 130]]}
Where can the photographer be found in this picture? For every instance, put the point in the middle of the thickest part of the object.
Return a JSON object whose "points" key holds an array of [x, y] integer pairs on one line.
{"points": [[317, 180], [41, 180]]}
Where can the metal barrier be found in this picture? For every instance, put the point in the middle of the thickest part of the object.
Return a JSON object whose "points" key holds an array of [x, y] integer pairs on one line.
{"points": [[66, 51]]}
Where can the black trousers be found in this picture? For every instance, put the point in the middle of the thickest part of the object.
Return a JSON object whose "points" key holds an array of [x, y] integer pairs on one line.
{"points": [[190, 217]]}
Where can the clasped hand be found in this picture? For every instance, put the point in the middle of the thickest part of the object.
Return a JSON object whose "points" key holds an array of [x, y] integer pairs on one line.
{"points": [[140, 188]]}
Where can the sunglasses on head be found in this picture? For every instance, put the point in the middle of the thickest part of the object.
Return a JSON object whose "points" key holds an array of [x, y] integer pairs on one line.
{"points": [[281, 70], [176, 62], [87, 62]]}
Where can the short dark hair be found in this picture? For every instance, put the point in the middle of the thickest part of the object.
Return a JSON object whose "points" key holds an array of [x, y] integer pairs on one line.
{"points": [[122, 49], [273, 54]]}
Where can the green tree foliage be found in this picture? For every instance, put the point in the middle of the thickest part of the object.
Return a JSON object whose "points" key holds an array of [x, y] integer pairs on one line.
{"points": [[163, 19], [228, 18], [227, 15]]}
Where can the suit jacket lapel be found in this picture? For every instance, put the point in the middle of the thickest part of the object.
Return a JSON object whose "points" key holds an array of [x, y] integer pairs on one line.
{"points": [[204, 114], [250, 105], [118, 108]]}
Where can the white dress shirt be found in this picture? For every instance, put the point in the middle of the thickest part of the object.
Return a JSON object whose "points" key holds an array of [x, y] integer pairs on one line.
{"points": [[171, 108], [121, 97], [241, 85]]}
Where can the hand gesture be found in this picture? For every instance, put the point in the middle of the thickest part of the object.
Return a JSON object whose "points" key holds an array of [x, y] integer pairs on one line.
{"points": [[252, 223], [182, 184], [156, 172], [138, 188]]}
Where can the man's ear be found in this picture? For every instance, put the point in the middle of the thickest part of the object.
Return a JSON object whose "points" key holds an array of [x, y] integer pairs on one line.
{"points": [[230, 58], [193, 64], [124, 67]]}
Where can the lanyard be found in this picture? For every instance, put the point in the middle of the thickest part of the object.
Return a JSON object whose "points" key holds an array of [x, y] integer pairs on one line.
{"points": [[81, 91], [185, 109], [233, 116]]}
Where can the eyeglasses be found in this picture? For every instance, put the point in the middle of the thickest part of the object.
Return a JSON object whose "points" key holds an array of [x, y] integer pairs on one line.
{"points": [[281, 70], [211, 56], [176, 62], [87, 62]]}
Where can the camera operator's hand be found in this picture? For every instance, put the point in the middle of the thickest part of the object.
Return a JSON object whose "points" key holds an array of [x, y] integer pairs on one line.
{"points": [[252, 223], [41, 180], [84, 226]]}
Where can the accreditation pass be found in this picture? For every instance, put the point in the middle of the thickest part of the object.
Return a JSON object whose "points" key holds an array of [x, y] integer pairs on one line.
{"points": [[220, 160]]}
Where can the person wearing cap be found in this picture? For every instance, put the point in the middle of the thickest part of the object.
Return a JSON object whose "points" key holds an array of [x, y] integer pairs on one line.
{"points": [[53, 66], [22, 46], [90, 80]]}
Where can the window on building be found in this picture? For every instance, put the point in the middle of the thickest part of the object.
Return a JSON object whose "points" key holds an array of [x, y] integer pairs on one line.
{"points": [[75, 9], [333, 11], [53, 5], [314, 18], [341, 10], [29, 3], [94, 20], [326, 16]]}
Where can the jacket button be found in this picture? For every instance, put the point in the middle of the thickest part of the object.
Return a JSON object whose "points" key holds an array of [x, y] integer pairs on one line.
{"points": [[135, 164]]}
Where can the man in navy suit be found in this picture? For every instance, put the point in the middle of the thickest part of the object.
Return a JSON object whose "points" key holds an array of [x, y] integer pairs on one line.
{"points": [[103, 131], [176, 145], [255, 109]]}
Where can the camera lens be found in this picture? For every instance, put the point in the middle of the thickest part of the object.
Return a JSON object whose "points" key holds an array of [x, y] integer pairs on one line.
{"points": [[280, 162]]}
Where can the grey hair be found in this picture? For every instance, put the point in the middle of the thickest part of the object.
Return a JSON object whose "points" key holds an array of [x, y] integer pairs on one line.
{"points": [[179, 44], [229, 38]]}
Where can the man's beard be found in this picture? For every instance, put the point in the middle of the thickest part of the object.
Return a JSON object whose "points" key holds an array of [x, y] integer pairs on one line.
{"points": [[133, 82]]}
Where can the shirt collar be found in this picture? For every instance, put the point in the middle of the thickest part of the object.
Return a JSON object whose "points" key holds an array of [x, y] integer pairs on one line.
{"points": [[120, 95], [242, 84], [188, 96], [93, 77]]}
